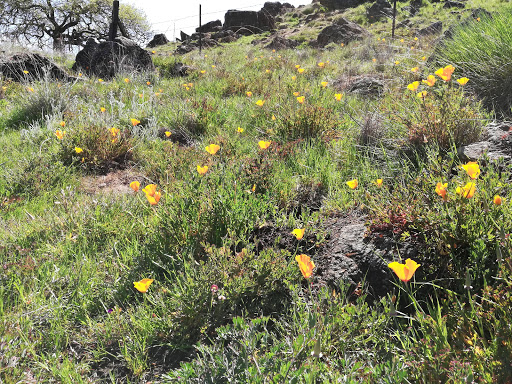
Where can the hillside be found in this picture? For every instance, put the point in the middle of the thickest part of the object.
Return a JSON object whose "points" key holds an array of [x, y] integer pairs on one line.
{"points": [[339, 211]]}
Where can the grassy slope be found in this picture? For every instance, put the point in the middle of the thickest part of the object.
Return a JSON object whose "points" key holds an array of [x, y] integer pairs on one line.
{"points": [[69, 312]]}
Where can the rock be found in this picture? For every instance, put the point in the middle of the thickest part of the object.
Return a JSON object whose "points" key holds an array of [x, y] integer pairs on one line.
{"points": [[496, 144], [189, 45], [381, 8], [453, 4], [342, 31], [227, 36], [158, 39], [108, 58], [212, 26], [248, 22], [404, 24], [279, 42], [184, 37], [432, 29], [276, 8], [367, 85], [342, 4], [37, 66]]}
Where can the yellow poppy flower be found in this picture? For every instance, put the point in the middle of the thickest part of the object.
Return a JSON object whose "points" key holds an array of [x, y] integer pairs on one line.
{"points": [[338, 96], [298, 233], [306, 265], [467, 191], [143, 285], [114, 131], [239, 129], [297, 66], [352, 184], [413, 86], [324, 83], [264, 144], [472, 168], [100, 80], [102, 109], [135, 122], [62, 124], [135, 185], [405, 271], [462, 81], [25, 72], [273, 117], [441, 189], [167, 133], [203, 72], [415, 69], [446, 72], [431, 80], [212, 149], [148, 82], [422, 94], [296, 94], [321, 64], [301, 99], [300, 70], [497, 200], [202, 170], [78, 150], [260, 103], [379, 182], [60, 134], [294, 77], [126, 80], [248, 93]]}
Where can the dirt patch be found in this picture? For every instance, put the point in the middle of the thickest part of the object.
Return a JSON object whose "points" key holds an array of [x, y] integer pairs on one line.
{"points": [[116, 182]]}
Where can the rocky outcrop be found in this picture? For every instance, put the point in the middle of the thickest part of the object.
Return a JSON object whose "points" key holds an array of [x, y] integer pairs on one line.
{"points": [[30, 67], [276, 8], [158, 39], [342, 31], [453, 4], [248, 22], [496, 144], [108, 58], [432, 29], [342, 4], [212, 26], [279, 43], [381, 8], [367, 86]]}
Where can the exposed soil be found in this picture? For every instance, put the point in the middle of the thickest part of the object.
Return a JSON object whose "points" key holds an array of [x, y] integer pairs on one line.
{"points": [[115, 182]]}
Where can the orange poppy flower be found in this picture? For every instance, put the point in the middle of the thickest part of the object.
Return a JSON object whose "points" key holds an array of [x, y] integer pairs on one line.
{"points": [[248, 93], [431, 80], [404, 271], [472, 168], [462, 81], [321, 64], [301, 99], [167, 133], [264, 144], [135, 122], [324, 84], [352, 184], [467, 191], [413, 86], [62, 124], [60, 134], [298, 233], [300, 70], [497, 200], [306, 265], [379, 182], [202, 170], [143, 285], [212, 149], [102, 109], [441, 189], [135, 185], [446, 72], [338, 96]]}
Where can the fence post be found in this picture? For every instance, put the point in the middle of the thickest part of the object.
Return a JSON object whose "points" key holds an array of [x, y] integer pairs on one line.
{"points": [[115, 20], [200, 33], [394, 19]]}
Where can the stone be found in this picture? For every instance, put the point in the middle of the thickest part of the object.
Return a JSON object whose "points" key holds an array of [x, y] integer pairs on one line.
{"points": [[496, 144], [184, 37], [381, 8], [453, 4], [225, 36], [341, 4], [279, 43], [342, 31], [212, 26], [276, 8], [432, 29], [248, 22], [158, 39], [109, 58], [38, 67], [368, 86]]}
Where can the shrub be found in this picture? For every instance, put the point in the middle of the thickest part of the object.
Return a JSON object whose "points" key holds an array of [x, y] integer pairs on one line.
{"points": [[482, 51]]}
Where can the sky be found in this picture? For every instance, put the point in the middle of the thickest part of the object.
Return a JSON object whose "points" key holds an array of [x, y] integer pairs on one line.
{"points": [[171, 16]]}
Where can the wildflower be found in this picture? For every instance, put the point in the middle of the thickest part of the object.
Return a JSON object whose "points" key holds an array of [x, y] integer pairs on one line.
{"points": [[126, 80], [413, 86], [472, 168], [102, 109], [214, 288], [379, 182], [324, 83], [446, 72], [148, 82], [298, 233], [100, 80], [467, 191], [441, 189], [342, 45], [297, 66], [30, 89], [383, 39], [135, 122], [25, 72], [352, 184], [78, 150], [203, 72], [264, 144], [253, 189], [306, 265], [422, 94], [338, 96], [202, 170], [404, 271], [114, 131], [321, 64], [294, 77], [374, 60], [497, 200], [267, 71], [248, 93], [424, 58], [431, 80], [397, 62], [415, 39], [401, 40], [415, 69], [60, 134], [462, 81], [301, 99], [212, 149], [143, 285], [135, 185], [152, 194], [167, 133], [300, 70], [296, 94], [273, 117], [213, 66], [260, 103], [239, 129]]}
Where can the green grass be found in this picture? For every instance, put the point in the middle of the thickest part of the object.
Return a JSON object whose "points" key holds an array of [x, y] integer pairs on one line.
{"points": [[228, 302]]}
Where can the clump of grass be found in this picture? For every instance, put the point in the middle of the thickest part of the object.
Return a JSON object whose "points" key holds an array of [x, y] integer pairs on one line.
{"points": [[481, 49]]}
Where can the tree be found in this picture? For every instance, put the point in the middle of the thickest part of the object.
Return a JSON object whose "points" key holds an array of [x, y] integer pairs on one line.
{"points": [[72, 22]]}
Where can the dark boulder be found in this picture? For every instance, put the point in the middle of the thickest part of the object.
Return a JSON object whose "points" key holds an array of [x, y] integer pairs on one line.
{"points": [[248, 22], [381, 8], [108, 58], [275, 8], [184, 37], [342, 4], [226, 36], [453, 4], [37, 67], [279, 42], [432, 29], [158, 39], [342, 31], [212, 26]]}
